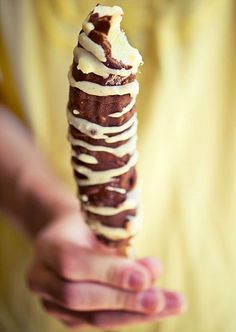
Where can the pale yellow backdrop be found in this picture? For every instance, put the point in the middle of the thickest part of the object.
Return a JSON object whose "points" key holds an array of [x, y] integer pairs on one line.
{"points": [[187, 143]]}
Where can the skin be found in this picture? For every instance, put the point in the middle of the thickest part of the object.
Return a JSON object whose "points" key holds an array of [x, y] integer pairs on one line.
{"points": [[78, 280]]}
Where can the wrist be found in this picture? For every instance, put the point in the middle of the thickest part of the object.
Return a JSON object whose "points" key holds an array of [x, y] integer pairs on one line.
{"points": [[45, 199]]}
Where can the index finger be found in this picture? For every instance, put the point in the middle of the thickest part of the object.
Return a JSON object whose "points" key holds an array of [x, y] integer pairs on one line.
{"points": [[175, 305], [76, 263]]}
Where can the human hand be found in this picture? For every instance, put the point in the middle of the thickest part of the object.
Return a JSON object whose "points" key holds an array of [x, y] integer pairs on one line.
{"points": [[82, 283], [78, 280]]}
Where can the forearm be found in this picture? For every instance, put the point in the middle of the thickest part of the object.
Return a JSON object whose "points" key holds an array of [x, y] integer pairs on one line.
{"points": [[29, 191]]}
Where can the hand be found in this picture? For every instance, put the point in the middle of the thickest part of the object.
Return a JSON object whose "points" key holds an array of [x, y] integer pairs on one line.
{"points": [[78, 280], [82, 283]]}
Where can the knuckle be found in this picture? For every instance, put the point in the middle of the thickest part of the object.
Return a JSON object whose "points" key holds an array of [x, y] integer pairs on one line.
{"points": [[66, 262], [118, 275], [62, 264], [134, 278], [128, 276]]}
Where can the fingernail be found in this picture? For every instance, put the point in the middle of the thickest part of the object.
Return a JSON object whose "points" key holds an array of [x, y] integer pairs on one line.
{"points": [[156, 267], [136, 280], [176, 302], [153, 265], [152, 300]]}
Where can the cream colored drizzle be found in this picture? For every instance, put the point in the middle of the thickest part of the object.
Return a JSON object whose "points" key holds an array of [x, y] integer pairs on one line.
{"points": [[88, 63], [86, 158], [130, 203], [96, 131], [121, 50], [92, 47], [99, 177], [120, 151], [123, 136], [108, 11], [88, 27], [118, 190], [84, 198], [116, 233], [75, 112], [104, 90], [112, 233], [125, 109]]}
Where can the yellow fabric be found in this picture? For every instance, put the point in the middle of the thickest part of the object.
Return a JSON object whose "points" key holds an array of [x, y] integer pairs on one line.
{"points": [[187, 144]]}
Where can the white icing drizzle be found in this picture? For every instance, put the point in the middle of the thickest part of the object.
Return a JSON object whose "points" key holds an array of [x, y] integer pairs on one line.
{"points": [[112, 233], [88, 63], [96, 131], [125, 109], [87, 27], [118, 190], [131, 202], [104, 90], [84, 198], [120, 151], [121, 50], [116, 233], [86, 158], [114, 11], [92, 47], [99, 177], [125, 135], [75, 112]]}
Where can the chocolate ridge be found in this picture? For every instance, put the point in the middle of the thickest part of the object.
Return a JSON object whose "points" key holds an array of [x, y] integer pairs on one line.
{"points": [[86, 103]]}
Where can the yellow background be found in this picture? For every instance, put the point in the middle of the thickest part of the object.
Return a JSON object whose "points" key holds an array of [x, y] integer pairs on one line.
{"points": [[187, 141]]}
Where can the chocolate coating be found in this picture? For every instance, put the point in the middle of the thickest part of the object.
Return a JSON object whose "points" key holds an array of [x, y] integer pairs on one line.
{"points": [[120, 243], [96, 109], [86, 104], [102, 24], [99, 195]]}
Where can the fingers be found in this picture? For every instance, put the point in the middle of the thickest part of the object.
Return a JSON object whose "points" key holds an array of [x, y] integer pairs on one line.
{"points": [[75, 263], [69, 318], [175, 304], [88, 296], [153, 265]]}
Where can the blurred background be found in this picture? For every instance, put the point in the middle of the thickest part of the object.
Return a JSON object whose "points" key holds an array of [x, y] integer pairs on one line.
{"points": [[187, 144]]}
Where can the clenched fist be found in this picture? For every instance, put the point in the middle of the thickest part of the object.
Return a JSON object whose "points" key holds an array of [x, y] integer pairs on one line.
{"points": [[83, 283]]}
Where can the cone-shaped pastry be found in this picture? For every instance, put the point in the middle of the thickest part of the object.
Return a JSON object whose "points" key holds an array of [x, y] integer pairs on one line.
{"points": [[103, 124]]}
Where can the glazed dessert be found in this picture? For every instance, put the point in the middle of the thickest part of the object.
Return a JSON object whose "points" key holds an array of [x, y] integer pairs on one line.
{"points": [[103, 126]]}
